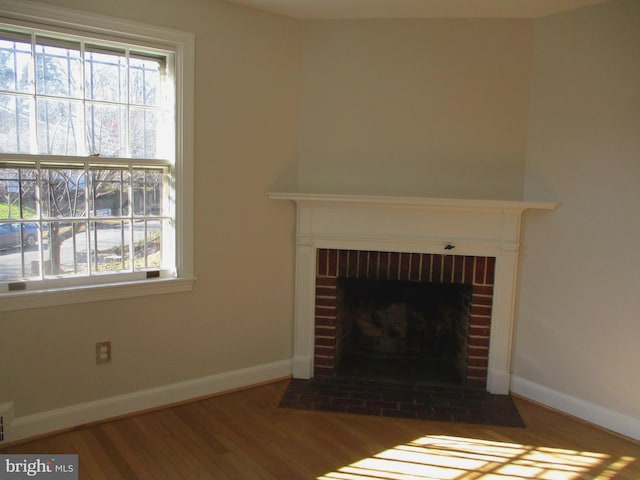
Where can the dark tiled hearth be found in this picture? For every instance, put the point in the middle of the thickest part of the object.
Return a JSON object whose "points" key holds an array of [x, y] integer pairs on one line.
{"points": [[427, 402]]}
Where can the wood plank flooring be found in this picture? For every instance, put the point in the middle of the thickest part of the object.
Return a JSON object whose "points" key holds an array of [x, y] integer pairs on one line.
{"points": [[245, 436]]}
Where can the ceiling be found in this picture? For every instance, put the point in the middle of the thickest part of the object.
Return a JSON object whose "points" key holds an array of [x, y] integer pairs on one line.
{"points": [[340, 9]]}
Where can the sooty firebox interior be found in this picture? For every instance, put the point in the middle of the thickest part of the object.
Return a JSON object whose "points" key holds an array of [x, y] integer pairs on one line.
{"points": [[402, 331]]}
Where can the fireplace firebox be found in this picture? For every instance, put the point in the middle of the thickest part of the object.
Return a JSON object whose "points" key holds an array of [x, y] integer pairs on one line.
{"points": [[411, 316], [414, 332]]}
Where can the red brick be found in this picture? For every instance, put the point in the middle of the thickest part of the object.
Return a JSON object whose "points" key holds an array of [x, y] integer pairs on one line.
{"points": [[480, 310], [469, 264], [425, 274], [415, 267], [383, 272], [322, 291], [325, 321], [352, 264], [447, 269], [479, 331], [491, 264], [476, 372], [332, 263], [364, 410], [405, 262], [326, 311], [324, 341], [458, 268], [436, 268], [325, 351], [325, 302], [343, 258], [481, 299], [478, 362], [477, 352], [323, 371], [324, 361], [477, 321], [478, 342], [326, 281], [322, 261], [483, 290], [480, 269]]}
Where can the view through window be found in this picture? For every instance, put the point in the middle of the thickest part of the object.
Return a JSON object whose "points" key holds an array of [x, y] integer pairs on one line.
{"points": [[87, 147]]}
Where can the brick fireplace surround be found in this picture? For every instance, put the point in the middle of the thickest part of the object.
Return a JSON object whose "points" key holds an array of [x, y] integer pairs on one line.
{"points": [[417, 267], [462, 240]]}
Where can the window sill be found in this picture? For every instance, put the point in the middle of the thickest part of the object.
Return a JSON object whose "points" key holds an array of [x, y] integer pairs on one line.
{"points": [[93, 293]]}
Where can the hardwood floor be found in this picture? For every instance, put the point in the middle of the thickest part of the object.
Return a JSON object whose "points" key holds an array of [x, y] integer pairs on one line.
{"points": [[245, 435]]}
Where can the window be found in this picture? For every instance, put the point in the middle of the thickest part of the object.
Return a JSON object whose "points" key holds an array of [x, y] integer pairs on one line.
{"points": [[95, 158]]}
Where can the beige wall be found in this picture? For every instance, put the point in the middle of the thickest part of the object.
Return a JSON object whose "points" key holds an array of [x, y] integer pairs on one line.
{"points": [[240, 311], [415, 107], [579, 316]]}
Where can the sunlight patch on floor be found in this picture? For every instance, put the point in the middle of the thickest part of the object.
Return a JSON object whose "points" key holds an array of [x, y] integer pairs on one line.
{"points": [[440, 457]]}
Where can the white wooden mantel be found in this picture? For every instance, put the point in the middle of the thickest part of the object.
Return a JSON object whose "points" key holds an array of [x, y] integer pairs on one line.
{"points": [[412, 225]]}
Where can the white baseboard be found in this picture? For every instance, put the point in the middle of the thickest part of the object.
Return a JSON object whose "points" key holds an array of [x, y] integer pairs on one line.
{"points": [[592, 413], [75, 415], [42, 423]]}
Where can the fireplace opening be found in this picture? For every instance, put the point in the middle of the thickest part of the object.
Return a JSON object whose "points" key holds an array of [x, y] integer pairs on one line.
{"points": [[418, 270], [402, 330]]}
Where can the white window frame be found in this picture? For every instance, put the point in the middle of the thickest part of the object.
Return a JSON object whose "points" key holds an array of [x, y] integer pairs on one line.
{"points": [[182, 44]]}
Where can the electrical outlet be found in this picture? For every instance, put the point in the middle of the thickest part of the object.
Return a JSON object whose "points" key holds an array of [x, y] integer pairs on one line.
{"points": [[103, 352]]}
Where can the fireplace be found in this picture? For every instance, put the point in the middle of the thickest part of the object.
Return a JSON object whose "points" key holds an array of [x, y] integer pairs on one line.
{"points": [[413, 316], [465, 241]]}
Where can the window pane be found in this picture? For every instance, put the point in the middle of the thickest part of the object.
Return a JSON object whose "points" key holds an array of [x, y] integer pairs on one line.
{"points": [[105, 130], [15, 118], [28, 193], [143, 132], [65, 248], [63, 192], [58, 71], [19, 254], [59, 127], [18, 193], [109, 192], [145, 77], [110, 242], [15, 66], [106, 77], [148, 188], [147, 240], [9, 193]]}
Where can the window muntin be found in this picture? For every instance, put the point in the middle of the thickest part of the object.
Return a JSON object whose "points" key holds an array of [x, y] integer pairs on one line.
{"points": [[86, 158]]}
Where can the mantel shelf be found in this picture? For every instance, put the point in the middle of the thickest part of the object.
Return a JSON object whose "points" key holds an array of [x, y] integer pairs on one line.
{"points": [[457, 203]]}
